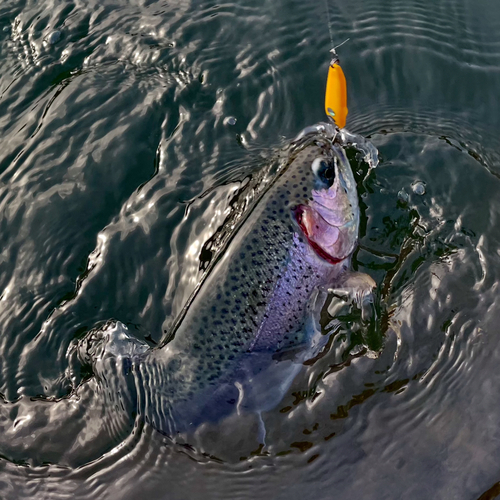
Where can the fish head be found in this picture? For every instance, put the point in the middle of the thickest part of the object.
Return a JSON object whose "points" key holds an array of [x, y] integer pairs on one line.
{"points": [[330, 218]]}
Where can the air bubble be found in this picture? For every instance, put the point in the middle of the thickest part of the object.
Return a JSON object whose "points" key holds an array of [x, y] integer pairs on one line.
{"points": [[230, 120], [403, 196], [54, 37], [418, 188]]}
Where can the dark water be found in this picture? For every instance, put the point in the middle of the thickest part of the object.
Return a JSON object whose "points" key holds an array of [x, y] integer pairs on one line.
{"points": [[120, 156]]}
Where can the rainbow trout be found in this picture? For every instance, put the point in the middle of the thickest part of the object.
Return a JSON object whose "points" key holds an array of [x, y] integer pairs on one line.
{"points": [[247, 330], [255, 319]]}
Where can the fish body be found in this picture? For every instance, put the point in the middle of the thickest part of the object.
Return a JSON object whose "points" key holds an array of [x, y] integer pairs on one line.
{"points": [[253, 322]]}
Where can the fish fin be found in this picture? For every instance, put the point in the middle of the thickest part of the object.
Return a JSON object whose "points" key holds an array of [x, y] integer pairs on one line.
{"points": [[263, 381], [350, 288], [211, 406], [354, 287], [316, 339]]}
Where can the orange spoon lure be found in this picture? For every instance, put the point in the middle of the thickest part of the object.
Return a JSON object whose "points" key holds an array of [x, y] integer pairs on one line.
{"points": [[336, 93]]}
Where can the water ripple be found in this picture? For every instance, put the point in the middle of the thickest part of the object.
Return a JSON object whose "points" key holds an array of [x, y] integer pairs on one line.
{"points": [[120, 175]]}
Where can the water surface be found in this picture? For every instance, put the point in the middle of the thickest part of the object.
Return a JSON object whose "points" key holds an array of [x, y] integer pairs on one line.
{"points": [[126, 130]]}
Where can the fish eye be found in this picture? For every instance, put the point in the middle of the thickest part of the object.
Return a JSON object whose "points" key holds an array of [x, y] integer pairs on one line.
{"points": [[324, 170]]}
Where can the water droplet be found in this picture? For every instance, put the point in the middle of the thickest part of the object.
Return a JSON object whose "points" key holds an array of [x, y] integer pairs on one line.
{"points": [[230, 120], [403, 196], [54, 37], [241, 140], [418, 188]]}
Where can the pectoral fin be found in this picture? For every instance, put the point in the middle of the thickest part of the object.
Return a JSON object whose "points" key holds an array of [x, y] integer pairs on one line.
{"points": [[356, 288]]}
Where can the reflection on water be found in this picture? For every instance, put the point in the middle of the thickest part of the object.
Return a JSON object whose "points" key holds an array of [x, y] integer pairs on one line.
{"points": [[131, 131]]}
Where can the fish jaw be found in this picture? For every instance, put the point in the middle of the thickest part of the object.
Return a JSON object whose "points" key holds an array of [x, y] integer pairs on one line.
{"points": [[330, 221]]}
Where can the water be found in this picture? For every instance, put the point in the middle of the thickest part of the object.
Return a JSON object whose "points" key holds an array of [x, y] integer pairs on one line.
{"points": [[127, 130]]}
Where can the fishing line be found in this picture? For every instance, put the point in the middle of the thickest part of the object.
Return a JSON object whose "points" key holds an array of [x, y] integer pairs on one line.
{"points": [[336, 88], [330, 30], [339, 45], [329, 23]]}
